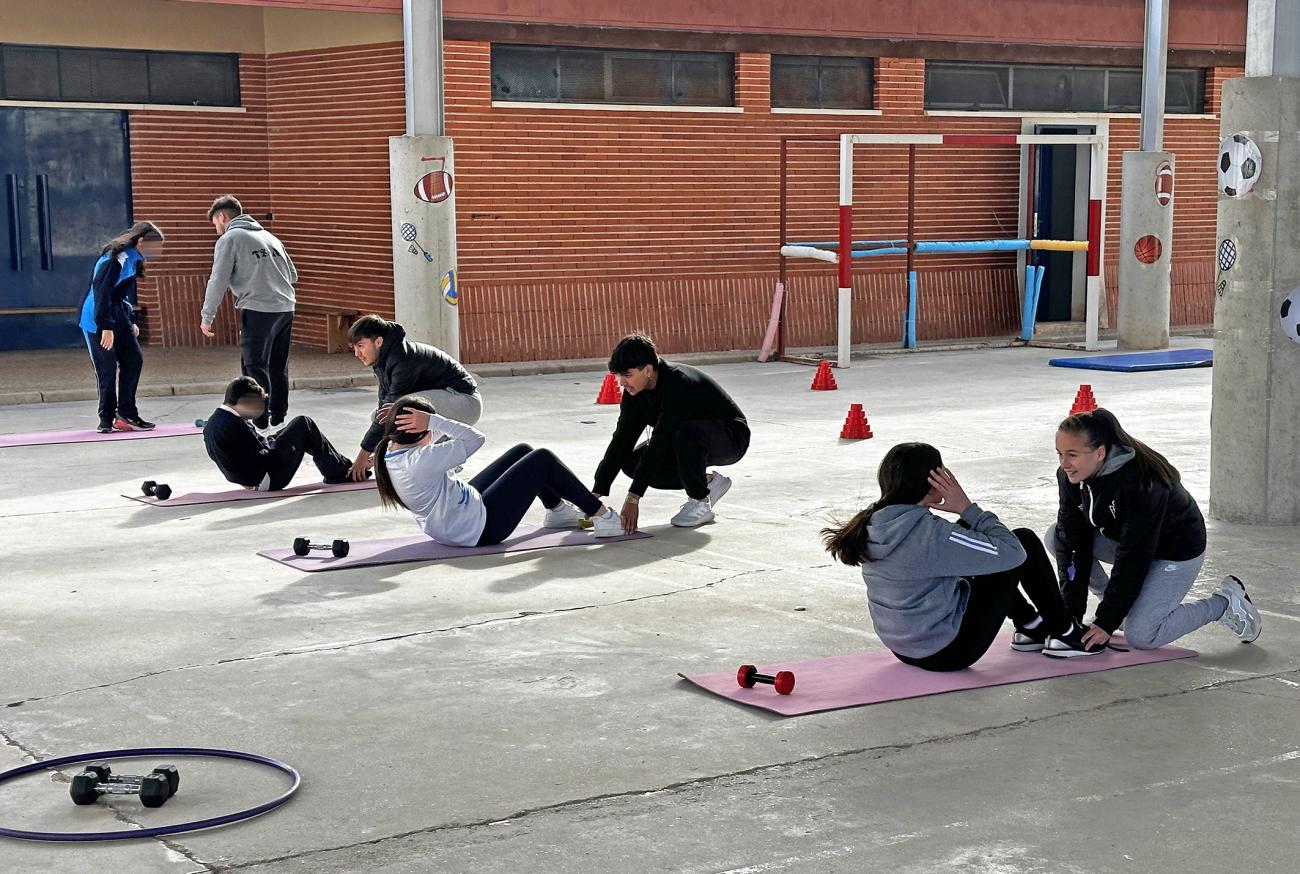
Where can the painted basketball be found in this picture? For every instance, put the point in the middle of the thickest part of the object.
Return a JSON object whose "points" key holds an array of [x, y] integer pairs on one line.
{"points": [[1164, 184], [1147, 249], [434, 187]]}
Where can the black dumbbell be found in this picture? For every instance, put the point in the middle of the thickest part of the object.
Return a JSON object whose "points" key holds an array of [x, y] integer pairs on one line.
{"points": [[98, 779], [303, 545], [748, 675], [161, 491]]}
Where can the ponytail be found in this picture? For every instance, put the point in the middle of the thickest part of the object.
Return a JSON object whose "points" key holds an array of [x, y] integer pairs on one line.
{"points": [[1101, 428], [393, 435], [904, 478]]}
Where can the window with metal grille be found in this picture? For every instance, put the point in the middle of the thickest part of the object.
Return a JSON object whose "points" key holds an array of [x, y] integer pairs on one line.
{"points": [[821, 82], [81, 75], [1054, 88], [550, 74]]}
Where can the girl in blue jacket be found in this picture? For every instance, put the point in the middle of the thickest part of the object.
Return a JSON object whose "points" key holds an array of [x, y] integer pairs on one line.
{"points": [[108, 322]]}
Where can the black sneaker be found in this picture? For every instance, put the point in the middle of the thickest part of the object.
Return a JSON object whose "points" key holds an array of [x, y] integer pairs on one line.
{"points": [[133, 423], [1030, 640], [1070, 644], [105, 428]]}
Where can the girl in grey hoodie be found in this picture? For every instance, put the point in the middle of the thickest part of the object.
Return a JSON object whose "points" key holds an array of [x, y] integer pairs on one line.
{"points": [[939, 591]]}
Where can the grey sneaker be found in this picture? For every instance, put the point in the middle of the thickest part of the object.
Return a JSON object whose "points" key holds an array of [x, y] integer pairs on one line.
{"points": [[1241, 617], [693, 514], [718, 487]]}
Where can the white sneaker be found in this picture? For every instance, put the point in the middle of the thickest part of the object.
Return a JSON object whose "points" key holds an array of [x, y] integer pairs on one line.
{"points": [[718, 487], [565, 515], [1241, 616], [693, 514], [609, 524]]}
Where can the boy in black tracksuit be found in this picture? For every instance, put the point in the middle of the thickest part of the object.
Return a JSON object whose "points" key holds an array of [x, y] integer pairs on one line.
{"points": [[248, 459], [695, 422]]}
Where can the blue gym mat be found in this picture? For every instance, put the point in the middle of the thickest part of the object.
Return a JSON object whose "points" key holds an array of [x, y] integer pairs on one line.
{"points": [[1137, 362]]}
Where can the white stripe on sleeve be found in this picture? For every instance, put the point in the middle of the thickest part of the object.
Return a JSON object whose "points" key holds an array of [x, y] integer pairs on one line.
{"points": [[970, 543]]}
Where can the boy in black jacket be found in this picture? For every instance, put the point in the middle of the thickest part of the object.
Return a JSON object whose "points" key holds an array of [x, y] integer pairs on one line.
{"points": [[267, 464], [404, 367], [695, 422]]}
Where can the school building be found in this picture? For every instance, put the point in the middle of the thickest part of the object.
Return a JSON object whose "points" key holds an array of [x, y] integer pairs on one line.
{"points": [[617, 162]]}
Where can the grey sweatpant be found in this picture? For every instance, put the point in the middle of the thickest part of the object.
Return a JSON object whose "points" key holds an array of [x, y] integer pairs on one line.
{"points": [[457, 406], [1158, 616]]}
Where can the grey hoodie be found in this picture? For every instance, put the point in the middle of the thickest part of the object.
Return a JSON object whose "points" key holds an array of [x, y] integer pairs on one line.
{"points": [[251, 262], [918, 569]]}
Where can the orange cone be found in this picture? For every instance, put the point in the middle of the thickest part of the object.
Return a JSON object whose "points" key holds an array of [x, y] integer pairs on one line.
{"points": [[856, 426], [1084, 401], [823, 379], [610, 393]]}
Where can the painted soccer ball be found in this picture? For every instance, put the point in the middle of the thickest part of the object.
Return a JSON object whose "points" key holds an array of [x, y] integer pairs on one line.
{"points": [[1289, 316], [1239, 165]]}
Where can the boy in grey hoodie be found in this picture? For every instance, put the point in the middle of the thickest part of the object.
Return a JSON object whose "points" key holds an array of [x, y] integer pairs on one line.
{"points": [[252, 263], [939, 591]]}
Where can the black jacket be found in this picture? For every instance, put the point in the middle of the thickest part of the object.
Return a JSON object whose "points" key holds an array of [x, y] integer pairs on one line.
{"points": [[1149, 521], [406, 367], [236, 447], [682, 393]]}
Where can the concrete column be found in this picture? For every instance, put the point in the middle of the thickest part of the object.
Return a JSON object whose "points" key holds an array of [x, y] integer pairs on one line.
{"points": [[1255, 424], [422, 184], [1146, 232], [422, 188]]}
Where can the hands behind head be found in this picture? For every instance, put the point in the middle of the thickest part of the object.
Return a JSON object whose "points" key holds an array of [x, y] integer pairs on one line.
{"points": [[411, 421], [946, 494]]}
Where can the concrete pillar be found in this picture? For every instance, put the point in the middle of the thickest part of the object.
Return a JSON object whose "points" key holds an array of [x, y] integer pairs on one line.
{"points": [[1146, 231], [422, 183], [422, 188], [1255, 424]]}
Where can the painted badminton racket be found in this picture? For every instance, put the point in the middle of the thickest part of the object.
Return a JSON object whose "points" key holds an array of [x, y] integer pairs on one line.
{"points": [[409, 235]]}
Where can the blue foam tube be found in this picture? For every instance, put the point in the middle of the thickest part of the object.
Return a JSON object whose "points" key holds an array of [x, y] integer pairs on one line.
{"points": [[910, 341]]}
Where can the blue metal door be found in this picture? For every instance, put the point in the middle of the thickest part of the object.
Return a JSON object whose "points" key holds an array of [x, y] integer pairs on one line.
{"points": [[66, 190]]}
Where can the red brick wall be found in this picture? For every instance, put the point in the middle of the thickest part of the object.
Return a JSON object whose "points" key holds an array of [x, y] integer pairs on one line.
{"points": [[576, 225]]}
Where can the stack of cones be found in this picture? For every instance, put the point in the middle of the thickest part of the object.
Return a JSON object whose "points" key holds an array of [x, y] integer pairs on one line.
{"points": [[824, 380], [855, 425], [610, 393], [1084, 401]]}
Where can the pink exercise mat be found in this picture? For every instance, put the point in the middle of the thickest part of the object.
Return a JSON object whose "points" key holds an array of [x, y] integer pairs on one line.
{"points": [[50, 438], [190, 498], [873, 677], [401, 550]]}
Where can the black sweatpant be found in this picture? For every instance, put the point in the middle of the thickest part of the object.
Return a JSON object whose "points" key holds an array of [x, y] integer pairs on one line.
{"points": [[523, 474], [264, 355], [298, 438], [994, 598], [696, 444], [117, 372]]}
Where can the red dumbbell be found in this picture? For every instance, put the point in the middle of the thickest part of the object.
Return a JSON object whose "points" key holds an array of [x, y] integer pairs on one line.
{"points": [[748, 675]]}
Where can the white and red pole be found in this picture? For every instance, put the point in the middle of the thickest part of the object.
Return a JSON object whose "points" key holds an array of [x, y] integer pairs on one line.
{"points": [[846, 249]]}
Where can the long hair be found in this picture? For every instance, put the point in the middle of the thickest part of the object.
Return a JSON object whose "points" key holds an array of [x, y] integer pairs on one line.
{"points": [[1101, 428], [394, 436], [904, 478], [131, 238]]}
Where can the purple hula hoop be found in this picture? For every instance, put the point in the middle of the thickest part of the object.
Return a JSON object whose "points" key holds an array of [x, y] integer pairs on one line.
{"points": [[157, 831]]}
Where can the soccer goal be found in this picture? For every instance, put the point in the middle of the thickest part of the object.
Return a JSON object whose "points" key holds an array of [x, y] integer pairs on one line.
{"points": [[845, 249]]}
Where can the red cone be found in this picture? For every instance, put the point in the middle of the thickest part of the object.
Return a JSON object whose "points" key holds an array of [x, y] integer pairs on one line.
{"points": [[610, 393], [823, 379], [856, 426], [1084, 401]]}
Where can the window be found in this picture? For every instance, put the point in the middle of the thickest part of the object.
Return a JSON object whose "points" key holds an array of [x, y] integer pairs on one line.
{"points": [[547, 74], [813, 82], [117, 76], [1054, 88]]}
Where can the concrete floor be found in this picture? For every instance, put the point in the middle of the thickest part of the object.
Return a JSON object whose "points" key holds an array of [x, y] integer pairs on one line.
{"points": [[523, 714]]}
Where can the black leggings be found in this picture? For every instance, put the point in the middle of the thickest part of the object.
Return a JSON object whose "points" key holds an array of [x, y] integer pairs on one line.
{"points": [[696, 444], [303, 437], [523, 474], [117, 372], [994, 598]]}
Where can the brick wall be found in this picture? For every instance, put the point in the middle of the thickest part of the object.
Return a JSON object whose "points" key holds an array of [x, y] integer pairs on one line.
{"points": [[576, 225]]}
